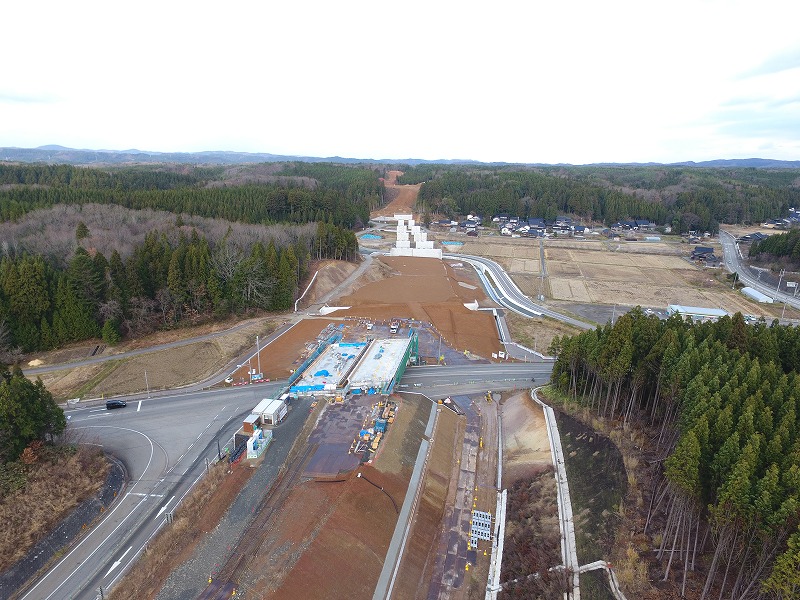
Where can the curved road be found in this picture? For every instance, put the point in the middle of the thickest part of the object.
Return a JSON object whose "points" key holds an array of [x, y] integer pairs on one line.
{"points": [[733, 262], [502, 289], [164, 444]]}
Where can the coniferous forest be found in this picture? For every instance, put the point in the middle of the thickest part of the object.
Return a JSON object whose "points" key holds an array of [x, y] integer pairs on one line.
{"points": [[149, 247], [684, 198], [721, 403]]}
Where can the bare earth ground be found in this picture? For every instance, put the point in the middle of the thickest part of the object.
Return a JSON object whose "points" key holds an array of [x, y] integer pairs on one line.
{"points": [[532, 531], [402, 197], [427, 289], [416, 567], [286, 353], [526, 447]]}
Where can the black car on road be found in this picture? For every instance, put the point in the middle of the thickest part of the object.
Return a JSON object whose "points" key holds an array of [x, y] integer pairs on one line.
{"points": [[115, 404]]}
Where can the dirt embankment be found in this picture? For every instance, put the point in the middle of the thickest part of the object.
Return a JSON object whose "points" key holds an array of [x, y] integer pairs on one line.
{"points": [[421, 555], [427, 289], [532, 541], [402, 198]]}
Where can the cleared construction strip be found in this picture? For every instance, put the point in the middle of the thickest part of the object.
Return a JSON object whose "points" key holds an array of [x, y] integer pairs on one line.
{"points": [[391, 563], [566, 523]]}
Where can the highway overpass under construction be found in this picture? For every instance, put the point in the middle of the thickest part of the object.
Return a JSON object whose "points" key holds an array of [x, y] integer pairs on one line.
{"points": [[373, 366]]}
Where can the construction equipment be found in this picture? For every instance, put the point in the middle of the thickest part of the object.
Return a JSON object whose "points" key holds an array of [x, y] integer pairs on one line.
{"points": [[489, 396]]}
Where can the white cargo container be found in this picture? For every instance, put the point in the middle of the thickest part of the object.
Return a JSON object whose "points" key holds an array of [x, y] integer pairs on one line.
{"points": [[274, 412]]}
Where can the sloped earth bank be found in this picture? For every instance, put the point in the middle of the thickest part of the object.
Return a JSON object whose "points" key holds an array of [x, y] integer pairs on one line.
{"points": [[532, 543], [597, 486], [330, 273], [421, 552], [64, 535]]}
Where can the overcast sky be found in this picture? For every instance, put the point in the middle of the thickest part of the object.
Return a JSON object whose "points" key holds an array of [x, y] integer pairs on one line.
{"points": [[573, 81]]}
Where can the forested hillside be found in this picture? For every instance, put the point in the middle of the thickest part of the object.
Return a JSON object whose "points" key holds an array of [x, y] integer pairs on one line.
{"points": [[685, 198], [112, 252], [722, 404], [779, 246]]}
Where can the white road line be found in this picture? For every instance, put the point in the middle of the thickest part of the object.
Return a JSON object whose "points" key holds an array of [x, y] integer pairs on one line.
{"points": [[117, 563], [138, 408], [90, 535], [163, 508]]}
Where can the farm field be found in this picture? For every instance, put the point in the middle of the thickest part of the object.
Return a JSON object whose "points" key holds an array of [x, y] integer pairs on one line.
{"points": [[624, 273]]}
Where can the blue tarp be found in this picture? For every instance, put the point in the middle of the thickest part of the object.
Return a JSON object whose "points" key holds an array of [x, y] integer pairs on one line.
{"points": [[306, 388], [322, 373]]}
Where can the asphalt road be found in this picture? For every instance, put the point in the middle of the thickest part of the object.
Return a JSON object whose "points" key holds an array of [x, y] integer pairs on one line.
{"points": [[164, 444]]}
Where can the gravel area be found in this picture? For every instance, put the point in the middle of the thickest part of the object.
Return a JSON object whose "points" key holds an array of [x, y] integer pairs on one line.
{"points": [[191, 578]]}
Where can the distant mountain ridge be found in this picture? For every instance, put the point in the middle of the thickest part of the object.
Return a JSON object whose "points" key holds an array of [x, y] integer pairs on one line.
{"points": [[56, 154]]}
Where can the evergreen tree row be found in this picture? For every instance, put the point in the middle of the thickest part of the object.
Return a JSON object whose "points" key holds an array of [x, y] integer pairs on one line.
{"points": [[782, 245], [27, 413], [723, 402], [684, 198], [43, 306]]}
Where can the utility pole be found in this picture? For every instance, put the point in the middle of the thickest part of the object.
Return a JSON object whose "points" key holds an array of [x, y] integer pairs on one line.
{"points": [[258, 353], [146, 384], [613, 314]]}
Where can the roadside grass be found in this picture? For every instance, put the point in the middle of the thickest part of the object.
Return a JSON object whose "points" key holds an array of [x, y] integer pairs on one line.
{"points": [[40, 489], [166, 368], [86, 387], [538, 332]]}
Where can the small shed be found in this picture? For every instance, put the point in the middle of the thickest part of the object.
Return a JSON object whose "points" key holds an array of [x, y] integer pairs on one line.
{"points": [[696, 313], [274, 412], [251, 423]]}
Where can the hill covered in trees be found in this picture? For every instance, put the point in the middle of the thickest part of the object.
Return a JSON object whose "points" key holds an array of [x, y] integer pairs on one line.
{"points": [[684, 198], [89, 252], [722, 404]]}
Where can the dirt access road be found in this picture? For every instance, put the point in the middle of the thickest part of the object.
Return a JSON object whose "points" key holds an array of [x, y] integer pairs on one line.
{"points": [[402, 198]]}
